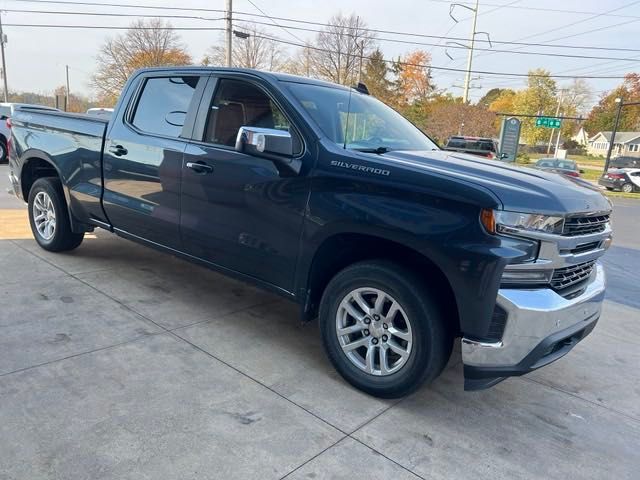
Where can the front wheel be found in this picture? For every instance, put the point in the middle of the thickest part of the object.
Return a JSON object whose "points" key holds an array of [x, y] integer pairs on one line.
{"points": [[382, 330], [627, 188], [49, 217]]}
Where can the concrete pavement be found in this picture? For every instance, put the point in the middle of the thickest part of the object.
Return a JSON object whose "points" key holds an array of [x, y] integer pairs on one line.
{"points": [[117, 361]]}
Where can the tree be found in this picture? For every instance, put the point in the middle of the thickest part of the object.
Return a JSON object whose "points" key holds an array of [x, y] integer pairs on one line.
{"points": [[256, 51], [414, 82], [447, 118], [491, 96], [502, 104], [376, 77], [537, 99], [602, 116], [150, 43], [341, 47], [77, 103]]}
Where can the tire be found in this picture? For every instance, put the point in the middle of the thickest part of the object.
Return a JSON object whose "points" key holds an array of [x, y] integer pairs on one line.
{"points": [[53, 231], [609, 188], [418, 318], [4, 153], [627, 188]]}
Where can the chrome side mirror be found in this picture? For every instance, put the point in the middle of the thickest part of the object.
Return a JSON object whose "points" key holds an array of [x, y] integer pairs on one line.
{"points": [[264, 142]]}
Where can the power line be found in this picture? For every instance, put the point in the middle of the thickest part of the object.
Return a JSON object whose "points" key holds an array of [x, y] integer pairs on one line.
{"points": [[324, 24], [274, 22], [541, 9], [391, 40], [286, 42]]}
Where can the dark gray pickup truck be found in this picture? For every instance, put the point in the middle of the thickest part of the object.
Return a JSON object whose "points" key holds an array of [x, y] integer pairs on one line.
{"points": [[326, 196]]}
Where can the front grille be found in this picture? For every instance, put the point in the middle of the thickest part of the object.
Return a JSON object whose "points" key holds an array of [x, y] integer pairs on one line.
{"points": [[585, 225], [585, 247], [563, 278]]}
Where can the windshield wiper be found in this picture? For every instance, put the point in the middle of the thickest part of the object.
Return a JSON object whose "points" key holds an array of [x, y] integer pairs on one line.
{"points": [[378, 150]]}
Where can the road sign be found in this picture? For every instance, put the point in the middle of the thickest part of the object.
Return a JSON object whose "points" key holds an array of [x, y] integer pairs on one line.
{"points": [[548, 122], [509, 139]]}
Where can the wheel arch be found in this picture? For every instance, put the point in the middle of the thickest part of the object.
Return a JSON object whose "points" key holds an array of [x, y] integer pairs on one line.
{"points": [[340, 250]]}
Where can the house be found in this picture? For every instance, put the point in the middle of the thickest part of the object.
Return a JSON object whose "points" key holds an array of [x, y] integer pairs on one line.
{"points": [[626, 143], [581, 138]]}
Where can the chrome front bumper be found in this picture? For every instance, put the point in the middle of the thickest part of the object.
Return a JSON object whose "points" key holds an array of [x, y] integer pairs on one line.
{"points": [[534, 316]]}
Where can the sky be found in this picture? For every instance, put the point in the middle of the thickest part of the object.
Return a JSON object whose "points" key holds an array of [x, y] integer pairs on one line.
{"points": [[36, 57]]}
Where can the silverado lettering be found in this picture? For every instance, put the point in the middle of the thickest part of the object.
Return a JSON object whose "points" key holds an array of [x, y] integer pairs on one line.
{"points": [[361, 168]]}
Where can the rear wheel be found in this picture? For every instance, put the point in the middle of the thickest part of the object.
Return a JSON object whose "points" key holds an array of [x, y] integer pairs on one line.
{"points": [[627, 188], [49, 217], [382, 330]]}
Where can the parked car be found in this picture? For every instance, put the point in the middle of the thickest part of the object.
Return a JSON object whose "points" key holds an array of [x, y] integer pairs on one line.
{"points": [[484, 147], [559, 165], [624, 162], [6, 112], [623, 179], [100, 112], [396, 249]]}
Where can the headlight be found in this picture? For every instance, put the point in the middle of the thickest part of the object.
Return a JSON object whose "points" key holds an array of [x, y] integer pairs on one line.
{"points": [[500, 221]]}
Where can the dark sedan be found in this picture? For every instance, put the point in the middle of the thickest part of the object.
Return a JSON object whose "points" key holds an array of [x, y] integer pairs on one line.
{"points": [[559, 165]]}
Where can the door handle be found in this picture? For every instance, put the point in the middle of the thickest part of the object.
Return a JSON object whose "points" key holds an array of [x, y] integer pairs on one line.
{"points": [[199, 167], [118, 150]]}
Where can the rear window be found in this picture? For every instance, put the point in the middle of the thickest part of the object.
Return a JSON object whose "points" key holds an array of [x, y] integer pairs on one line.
{"points": [[163, 105], [567, 165], [468, 144]]}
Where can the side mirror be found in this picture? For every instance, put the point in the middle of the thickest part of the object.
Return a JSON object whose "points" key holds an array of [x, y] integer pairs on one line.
{"points": [[503, 156], [271, 143]]}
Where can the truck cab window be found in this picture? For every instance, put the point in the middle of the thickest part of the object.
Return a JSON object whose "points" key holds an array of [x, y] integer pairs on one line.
{"points": [[163, 104], [237, 104]]}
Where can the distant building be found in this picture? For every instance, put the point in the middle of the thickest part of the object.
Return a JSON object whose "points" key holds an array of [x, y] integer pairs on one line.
{"points": [[626, 143], [581, 138]]}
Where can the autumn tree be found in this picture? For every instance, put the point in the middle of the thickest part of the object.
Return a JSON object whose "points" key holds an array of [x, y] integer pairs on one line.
{"points": [[76, 103], [413, 77], [602, 116], [502, 104], [147, 43], [491, 96], [540, 97], [256, 51], [450, 116], [340, 49]]}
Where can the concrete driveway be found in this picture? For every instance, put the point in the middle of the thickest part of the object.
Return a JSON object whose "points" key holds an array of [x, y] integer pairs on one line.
{"points": [[117, 361]]}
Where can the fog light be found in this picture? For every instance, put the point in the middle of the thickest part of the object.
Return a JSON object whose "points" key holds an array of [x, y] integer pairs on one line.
{"points": [[525, 277], [607, 243]]}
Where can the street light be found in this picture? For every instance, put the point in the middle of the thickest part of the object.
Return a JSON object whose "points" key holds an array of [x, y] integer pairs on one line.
{"points": [[620, 103]]}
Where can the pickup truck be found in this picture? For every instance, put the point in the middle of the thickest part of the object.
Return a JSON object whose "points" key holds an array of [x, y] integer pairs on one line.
{"points": [[324, 195]]}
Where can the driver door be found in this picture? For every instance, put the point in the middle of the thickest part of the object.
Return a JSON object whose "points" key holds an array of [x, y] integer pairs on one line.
{"points": [[238, 210]]}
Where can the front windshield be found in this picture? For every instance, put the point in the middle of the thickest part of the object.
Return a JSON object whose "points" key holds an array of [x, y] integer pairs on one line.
{"points": [[360, 122]]}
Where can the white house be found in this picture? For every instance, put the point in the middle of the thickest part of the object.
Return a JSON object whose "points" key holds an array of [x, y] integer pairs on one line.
{"points": [[581, 138], [626, 143]]}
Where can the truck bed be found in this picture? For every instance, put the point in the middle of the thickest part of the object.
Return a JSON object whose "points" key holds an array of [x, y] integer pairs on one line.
{"points": [[73, 143]]}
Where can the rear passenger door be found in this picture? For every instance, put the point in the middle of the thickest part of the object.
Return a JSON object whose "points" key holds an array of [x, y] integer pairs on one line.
{"points": [[143, 155]]}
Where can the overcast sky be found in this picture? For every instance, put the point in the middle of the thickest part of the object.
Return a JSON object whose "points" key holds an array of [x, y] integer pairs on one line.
{"points": [[36, 57]]}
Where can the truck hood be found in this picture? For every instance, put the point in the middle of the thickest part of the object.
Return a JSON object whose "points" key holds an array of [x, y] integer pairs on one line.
{"points": [[519, 188]]}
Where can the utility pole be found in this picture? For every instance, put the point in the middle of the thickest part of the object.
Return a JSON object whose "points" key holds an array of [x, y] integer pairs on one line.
{"points": [[361, 57], [229, 32], [3, 40], [553, 130], [467, 79], [620, 103], [68, 94]]}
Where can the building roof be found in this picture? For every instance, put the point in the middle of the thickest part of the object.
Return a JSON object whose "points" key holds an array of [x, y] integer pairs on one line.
{"points": [[621, 137]]}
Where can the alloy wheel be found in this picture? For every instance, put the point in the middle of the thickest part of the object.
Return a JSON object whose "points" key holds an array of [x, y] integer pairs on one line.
{"points": [[44, 215], [374, 331]]}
